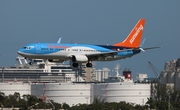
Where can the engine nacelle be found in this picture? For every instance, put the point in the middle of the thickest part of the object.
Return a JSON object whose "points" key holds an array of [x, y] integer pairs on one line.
{"points": [[79, 58]]}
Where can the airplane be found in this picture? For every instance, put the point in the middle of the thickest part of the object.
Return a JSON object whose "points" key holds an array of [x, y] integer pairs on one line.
{"points": [[86, 53]]}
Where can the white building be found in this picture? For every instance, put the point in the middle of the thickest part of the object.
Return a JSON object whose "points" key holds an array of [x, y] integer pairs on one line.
{"points": [[100, 74], [140, 77]]}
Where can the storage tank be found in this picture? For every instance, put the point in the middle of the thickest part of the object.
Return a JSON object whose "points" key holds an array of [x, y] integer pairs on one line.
{"points": [[129, 92], [70, 93], [12, 87], [99, 91], [171, 77]]}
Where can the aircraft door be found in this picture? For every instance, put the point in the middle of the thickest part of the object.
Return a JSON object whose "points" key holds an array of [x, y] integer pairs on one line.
{"points": [[38, 48]]}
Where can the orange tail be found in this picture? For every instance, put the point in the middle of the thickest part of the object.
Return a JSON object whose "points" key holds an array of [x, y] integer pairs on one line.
{"points": [[133, 40]]}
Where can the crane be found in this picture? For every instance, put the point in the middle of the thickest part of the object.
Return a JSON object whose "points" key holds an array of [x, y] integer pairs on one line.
{"points": [[155, 70]]}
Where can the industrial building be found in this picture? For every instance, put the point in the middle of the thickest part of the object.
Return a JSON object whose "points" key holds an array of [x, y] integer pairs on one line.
{"points": [[82, 93], [61, 83], [171, 73]]}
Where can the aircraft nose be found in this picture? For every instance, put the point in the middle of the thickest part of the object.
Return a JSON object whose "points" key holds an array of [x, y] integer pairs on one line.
{"points": [[20, 52]]}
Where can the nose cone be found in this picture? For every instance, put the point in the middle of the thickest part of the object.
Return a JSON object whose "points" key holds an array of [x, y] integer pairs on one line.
{"points": [[20, 52], [26, 51]]}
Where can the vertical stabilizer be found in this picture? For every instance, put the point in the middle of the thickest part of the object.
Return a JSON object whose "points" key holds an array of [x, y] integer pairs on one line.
{"points": [[133, 40]]}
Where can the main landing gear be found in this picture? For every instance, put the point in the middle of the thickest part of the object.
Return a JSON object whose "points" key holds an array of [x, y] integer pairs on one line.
{"points": [[89, 65], [75, 65]]}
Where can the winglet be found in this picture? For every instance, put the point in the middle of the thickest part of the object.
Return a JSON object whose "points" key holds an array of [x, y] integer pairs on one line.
{"points": [[133, 40], [59, 41]]}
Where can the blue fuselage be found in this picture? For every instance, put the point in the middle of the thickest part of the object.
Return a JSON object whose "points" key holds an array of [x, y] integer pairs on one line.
{"points": [[65, 51]]}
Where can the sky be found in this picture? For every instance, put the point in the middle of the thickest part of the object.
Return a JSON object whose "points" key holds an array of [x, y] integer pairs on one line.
{"points": [[93, 22]]}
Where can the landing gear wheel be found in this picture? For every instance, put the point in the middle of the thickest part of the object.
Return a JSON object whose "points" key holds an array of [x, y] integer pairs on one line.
{"points": [[30, 63], [75, 65], [89, 65]]}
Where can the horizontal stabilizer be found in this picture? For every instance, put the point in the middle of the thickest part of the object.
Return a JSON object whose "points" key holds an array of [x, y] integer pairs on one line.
{"points": [[151, 48]]}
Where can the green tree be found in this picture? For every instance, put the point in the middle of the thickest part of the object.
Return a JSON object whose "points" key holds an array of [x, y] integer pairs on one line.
{"points": [[17, 96], [65, 106], [31, 100], [151, 102], [2, 99], [98, 100], [164, 97]]}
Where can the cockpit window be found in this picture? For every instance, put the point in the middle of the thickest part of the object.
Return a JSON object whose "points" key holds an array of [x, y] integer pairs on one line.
{"points": [[28, 47]]}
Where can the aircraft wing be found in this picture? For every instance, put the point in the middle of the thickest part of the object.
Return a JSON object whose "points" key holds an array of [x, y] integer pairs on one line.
{"points": [[101, 55], [104, 54]]}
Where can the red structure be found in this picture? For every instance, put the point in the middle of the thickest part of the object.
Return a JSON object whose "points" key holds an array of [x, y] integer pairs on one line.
{"points": [[127, 74]]}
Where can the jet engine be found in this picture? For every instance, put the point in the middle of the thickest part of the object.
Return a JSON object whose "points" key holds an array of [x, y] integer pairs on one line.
{"points": [[79, 58]]}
